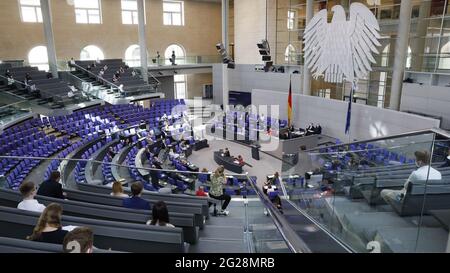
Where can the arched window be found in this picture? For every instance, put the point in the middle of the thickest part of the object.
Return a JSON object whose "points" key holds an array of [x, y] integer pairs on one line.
{"points": [[180, 54], [444, 58], [91, 52], [38, 57], [133, 56], [289, 54], [179, 80]]}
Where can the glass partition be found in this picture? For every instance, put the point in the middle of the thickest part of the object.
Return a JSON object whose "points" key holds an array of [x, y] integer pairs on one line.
{"points": [[378, 196]]}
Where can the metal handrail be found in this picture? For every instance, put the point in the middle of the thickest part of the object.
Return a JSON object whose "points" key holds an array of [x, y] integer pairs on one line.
{"points": [[153, 77], [15, 80], [293, 241], [412, 133], [96, 76]]}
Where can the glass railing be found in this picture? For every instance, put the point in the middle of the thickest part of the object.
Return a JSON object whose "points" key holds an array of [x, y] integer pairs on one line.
{"points": [[187, 60], [14, 111], [90, 166], [379, 195]]}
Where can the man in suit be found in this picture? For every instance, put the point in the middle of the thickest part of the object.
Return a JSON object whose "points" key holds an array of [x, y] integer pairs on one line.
{"points": [[135, 201], [226, 153], [52, 187]]}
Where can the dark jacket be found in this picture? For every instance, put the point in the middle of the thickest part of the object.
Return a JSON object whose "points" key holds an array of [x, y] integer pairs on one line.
{"points": [[51, 188], [136, 202]]}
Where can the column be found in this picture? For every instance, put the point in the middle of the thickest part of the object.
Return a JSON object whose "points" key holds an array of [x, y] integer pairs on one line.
{"points": [[142, 39], [48, 30], [401, 51], [225, 7], [306, 74], [418, 45]]}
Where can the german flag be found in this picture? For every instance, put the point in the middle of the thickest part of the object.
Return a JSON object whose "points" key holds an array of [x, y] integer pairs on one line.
{"points": [[290, 104]]}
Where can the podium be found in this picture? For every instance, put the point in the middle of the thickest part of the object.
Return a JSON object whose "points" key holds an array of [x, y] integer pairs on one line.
{"points": [[255, 152]]}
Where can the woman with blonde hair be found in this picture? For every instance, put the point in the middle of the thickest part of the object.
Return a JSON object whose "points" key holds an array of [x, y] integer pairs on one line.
{"points": [[218, 180], [49, 228], [117, 190]]}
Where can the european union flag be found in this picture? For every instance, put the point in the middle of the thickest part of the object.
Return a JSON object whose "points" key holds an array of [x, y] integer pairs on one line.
{"points": [[349, 109]]}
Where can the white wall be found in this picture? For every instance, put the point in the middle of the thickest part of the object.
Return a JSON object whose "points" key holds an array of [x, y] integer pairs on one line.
{"points": [[244, 78], [249, 29], [427, 99], [367, 121]]}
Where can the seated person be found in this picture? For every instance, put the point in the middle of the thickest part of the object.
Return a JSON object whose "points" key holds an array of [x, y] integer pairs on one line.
{"points": [[160, 215], [28, 191], [226, 153], [423, 173], [135, 201], [117, 190], [201, 192], [111, 154], [271, 191], [84, 239], [447, 160], [318, 129], [52, 187], [184, 145], [173, 153], [48, 228], [239, 160]]}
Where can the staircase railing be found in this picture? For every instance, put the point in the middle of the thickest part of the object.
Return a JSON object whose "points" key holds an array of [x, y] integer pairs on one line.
{"points": [[15, 81], [97, 76], [292, 240]]}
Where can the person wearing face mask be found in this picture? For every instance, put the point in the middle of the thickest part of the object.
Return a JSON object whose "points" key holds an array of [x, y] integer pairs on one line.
{"points": [[424, 173]]}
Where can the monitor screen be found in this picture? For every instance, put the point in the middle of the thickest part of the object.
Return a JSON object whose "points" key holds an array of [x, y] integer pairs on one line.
{"points": [[241, 98]]}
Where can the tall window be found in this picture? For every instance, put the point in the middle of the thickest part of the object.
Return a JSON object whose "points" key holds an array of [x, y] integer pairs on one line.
{"points": [[38, 57], [30, 11], [91, 52], [383, 77], [408, 58], [173, 13], [179, 54], [291, 19], [133, 56], [289, 54], [129, 12], [87, 11], [444, 59], [180, 86]]}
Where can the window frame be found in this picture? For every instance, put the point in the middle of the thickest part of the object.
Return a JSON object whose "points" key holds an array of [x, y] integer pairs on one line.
{"points": [[38, 20], [180, 82], [291, 20], [171, 13], [133, 14], [86, 11]]}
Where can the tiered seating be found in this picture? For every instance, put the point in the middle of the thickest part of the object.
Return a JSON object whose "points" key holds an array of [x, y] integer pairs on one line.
{"points": [[80, 167], [131, 84]]}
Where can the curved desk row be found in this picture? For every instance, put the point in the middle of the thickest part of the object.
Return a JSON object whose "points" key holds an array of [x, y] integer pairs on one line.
{"points": [[91, 167], [227, 162]]}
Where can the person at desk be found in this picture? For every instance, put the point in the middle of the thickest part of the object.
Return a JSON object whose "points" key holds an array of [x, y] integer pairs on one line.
{"points": [[173, 153], [272, 192], [218, 180], [318, 129], [226, 153]]}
